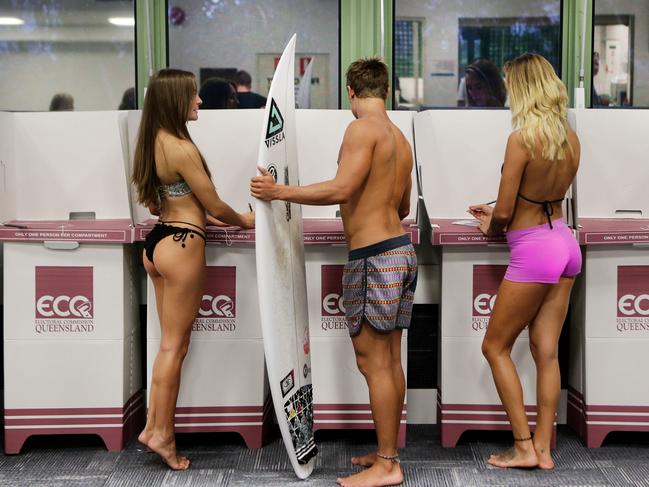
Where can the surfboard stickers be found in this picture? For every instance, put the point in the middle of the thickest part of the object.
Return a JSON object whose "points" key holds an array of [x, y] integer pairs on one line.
{"points": [[281, 277]]}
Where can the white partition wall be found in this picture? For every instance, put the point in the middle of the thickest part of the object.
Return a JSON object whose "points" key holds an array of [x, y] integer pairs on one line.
{"points": [[609, 340], [460, 153], [71, 333], [223, 386], [7, 203], [341, 399]]}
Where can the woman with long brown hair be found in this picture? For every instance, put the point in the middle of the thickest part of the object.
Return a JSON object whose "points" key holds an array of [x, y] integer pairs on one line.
{"points": [[541, 161], [172, 179]]}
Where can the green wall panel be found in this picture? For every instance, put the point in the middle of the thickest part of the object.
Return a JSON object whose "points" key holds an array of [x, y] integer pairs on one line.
{"points": [[360, 36]]}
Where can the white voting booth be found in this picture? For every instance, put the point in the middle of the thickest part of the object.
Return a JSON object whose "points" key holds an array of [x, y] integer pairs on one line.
{"points": [[340, 394], [71, 331], [609, 352], [223, 386], [460, 153]]}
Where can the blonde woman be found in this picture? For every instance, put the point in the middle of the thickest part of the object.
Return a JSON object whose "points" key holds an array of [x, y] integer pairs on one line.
{"points": [[541, 161], [173, 180]]}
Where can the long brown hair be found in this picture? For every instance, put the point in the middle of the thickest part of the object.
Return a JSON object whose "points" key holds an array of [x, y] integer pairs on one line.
{"points": [[168, 99]]}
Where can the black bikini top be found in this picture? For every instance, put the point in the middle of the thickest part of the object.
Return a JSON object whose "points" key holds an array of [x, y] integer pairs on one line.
{"points": [[548, 209]]}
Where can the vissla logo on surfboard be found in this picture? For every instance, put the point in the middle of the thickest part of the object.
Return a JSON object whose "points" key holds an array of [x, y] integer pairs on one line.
{"points": [[272, 170], [64, 299], [275, 127], [486, 280]]}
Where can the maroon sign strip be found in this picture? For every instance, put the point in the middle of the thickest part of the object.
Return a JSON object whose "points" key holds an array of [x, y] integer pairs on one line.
{"points": [[612, 237], [235, 235], [108, 230]]}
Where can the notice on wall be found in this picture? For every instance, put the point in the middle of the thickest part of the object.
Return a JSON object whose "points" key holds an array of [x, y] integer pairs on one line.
{"points": [[266, 64]]}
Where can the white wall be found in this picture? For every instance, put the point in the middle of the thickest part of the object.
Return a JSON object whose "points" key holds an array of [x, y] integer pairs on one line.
{"points": [[230, 35], [74, 50], [639, 9], [440, 35]]}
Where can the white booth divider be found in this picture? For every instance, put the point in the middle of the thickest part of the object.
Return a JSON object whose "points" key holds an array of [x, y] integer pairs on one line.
{"points": [[608, 388], [460, 153], [7, 204], [71, 332], [223, 386], [340, 394]]}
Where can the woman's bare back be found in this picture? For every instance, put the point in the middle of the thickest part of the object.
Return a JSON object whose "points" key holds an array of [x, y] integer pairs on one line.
{"points": [[545, 180]]}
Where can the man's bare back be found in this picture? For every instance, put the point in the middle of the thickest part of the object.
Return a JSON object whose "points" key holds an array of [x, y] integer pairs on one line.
{"points": [[372, 184], [374, 212]]}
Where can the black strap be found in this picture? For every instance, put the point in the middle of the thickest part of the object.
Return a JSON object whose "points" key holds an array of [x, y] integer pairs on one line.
{"points": [[184, 223], [548, 209], [180, 233]]}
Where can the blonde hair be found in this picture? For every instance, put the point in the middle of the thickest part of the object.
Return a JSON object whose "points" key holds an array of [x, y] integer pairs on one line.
{"points": [[539, 103]]}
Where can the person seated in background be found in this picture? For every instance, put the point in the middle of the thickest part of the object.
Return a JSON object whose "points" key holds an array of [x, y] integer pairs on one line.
{"points": [[128, 100], [482, 86], [598, 101], [247, 97], [62, 102], [218, 94]]}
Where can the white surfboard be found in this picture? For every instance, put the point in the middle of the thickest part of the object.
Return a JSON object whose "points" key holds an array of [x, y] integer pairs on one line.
{"points": [[281, 277]]}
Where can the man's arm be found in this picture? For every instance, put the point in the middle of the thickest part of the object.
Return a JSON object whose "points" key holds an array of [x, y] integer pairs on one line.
{"points": [[353, 168]]}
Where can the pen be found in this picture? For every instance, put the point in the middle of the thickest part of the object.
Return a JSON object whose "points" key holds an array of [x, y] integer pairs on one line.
{"points": [[491, 202], [14, 225]]}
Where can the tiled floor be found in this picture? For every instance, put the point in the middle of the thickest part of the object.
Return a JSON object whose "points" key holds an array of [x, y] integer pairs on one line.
{"points": [[223, 460]]}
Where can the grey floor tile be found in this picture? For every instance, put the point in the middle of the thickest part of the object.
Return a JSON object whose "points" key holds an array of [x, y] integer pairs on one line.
{"points": [[139, 477], [495, 477], [198, 478], [428, 477], [636, 471], [53, 480], [224, 460]]}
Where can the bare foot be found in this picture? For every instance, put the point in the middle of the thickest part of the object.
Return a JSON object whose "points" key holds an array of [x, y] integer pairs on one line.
{"points": [[167, 451], [365, 461], [382, 473], [144, 439], [545, 458], [515, 457]]}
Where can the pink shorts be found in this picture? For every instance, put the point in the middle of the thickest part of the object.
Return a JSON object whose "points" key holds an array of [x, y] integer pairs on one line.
{"points": [[543, 254]]}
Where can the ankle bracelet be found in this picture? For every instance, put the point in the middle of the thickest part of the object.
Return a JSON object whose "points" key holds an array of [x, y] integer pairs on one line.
{"points": [[523, 439], [393, 458]]}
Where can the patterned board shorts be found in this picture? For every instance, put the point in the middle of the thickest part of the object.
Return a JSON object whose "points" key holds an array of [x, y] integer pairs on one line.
{"points": [[379, 284]]}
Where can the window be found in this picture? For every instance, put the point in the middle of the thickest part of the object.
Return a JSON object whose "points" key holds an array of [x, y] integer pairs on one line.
{"points": [[218, 40], [77, 54], [620, 68], [409, 84], [458, 48]]}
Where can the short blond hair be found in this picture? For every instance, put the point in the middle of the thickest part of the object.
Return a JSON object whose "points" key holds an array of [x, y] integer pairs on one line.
{"points": [[368, 78]]}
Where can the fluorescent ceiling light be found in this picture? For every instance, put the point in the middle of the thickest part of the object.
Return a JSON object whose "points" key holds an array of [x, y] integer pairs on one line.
{"points": [[11, 21], [122, 21]]}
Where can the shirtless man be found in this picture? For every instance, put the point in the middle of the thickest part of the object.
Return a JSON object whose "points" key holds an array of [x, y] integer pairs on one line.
{"points": [[372, 186]]}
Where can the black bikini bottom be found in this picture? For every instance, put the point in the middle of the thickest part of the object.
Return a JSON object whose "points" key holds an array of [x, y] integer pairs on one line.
{"points": [[163, 229]]}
